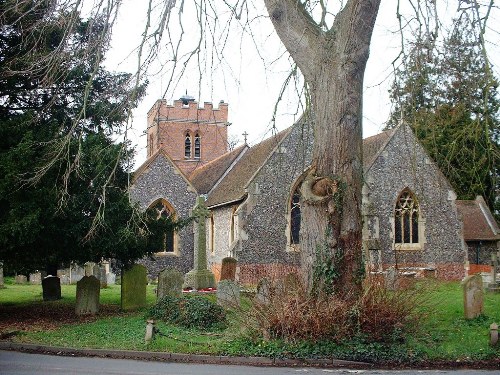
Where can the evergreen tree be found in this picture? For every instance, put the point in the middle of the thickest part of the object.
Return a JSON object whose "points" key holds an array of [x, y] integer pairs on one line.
{"points": [[63, 192], [450, 99]]}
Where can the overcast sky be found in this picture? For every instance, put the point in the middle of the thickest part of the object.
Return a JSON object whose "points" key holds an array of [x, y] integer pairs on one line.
{"points": [[247, 84]]}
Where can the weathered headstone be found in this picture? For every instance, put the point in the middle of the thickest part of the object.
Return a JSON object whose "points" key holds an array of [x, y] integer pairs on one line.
{"points": [[200, 277], [21, 279], [473, 296], [228, 293], [63, 275], [76, 273], [2, 284], [493, 334], [228, 269], [102, 277], [494, 285], [36, 278], [89, 268], [111, 278], [88, 290], [169, 283], [263, 294], [133, 290], [51, 287]]}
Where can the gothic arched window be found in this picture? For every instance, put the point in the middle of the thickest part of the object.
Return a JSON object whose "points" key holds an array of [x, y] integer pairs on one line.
{"points": [[197, 146], [187, 146], [165, 210], [406, 217]]}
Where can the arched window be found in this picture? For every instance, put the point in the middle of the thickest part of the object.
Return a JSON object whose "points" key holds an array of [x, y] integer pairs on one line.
{"points": [[197, 146], [165, 210], [406, 219], [187, 146]]}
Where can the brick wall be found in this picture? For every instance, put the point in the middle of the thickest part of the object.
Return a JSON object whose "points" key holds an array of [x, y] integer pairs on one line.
{"points": [[168, 126]]}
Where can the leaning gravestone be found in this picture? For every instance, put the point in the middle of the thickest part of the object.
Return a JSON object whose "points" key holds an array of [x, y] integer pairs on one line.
{"points": [[169, 283], [228, 269], [473, 296], [88, 290], [263, 294], [228, 294], [51, 286], [21, 279], [36, 278], [133, 290]]}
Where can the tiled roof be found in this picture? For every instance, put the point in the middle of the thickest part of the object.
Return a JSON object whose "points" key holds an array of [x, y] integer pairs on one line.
{"points": [[479, 224], [372, 146], [206, 176], [232, 187]]}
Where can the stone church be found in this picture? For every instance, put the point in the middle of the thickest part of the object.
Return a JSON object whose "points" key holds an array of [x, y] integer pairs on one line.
{"points": [[411, 220]]}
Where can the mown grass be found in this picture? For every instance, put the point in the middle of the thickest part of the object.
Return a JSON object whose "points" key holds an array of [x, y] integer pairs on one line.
{"points": [[442, 334]]}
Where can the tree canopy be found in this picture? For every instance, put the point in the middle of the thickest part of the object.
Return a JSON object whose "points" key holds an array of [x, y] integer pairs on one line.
{"points": [[65, 174]]}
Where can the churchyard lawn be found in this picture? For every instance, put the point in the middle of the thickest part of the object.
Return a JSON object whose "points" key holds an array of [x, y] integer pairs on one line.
{"points": [[444, 334]]}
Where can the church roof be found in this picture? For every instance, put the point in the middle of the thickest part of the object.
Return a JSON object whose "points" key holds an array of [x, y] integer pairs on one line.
{"points": [[205, 177], [232, 187], [372, 146], [479, 223]]}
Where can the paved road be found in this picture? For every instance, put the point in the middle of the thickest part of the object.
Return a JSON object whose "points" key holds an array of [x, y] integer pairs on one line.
{"points": [[14, 363]]}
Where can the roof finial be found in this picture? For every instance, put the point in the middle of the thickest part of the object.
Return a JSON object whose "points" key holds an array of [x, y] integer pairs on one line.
{"points": [[245, 134]]}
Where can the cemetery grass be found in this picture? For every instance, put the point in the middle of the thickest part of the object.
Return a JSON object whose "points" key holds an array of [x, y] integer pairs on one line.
{"points": [[443, 334]]}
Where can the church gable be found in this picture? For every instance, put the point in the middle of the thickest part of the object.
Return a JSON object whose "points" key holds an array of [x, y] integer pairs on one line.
{"points": [[410, 216]]}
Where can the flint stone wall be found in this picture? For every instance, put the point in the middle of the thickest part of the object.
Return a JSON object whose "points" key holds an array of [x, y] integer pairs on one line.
{"points": [[161, 180]]}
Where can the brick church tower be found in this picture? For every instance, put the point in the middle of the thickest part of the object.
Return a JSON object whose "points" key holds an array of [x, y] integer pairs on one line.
{"points": [[190, 135]]}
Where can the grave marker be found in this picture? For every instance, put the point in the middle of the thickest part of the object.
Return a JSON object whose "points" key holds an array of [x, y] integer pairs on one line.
{"points": [[88, 290], [133, 289]]}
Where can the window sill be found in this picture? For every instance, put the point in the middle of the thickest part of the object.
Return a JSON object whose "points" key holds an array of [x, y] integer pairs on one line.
{"points": [[293, 248], [408, 246], [167, 254]]}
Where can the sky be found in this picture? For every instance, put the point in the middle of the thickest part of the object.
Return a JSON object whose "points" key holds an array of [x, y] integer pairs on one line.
{"points": [[246, 80]]}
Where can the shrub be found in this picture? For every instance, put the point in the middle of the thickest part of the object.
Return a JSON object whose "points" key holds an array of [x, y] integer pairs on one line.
{"points": [[190, 312]]}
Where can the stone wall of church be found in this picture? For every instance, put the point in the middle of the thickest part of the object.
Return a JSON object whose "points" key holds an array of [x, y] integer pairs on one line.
{"points": [[404, 164], [161, 180], [263, 216]]}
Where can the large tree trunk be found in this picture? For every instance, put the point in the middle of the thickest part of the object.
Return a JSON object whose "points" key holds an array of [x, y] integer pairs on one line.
{"points": [[333, 64]]}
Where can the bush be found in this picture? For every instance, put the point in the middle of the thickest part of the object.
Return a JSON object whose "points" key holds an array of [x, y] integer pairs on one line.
{"points": [[378, 315], [190, 312]]}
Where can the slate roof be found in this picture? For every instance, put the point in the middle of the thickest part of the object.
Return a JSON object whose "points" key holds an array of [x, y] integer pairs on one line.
{"points": [[232, 187], [372, 146], [206, 176], [479, 223]]}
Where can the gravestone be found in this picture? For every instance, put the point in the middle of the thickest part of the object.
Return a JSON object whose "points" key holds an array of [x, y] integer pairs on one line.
{"points": [[51, 286], [473, 296], [169, 283], [88, 290], [133, 290], [63, 275], [2, 284], [76, 273], [228, 269], [228, 293], [494, 285], [111, 278], [101, 275], [263, 294], [36, 278], [21, 279], [89, 268], [200, 277]]}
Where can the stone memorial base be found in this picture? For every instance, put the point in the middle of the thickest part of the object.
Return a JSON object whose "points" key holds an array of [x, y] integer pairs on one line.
{"points": [[199, 279]]}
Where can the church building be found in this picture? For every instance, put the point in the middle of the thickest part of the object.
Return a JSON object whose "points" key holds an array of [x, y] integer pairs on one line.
{"points": [[410, 215]]}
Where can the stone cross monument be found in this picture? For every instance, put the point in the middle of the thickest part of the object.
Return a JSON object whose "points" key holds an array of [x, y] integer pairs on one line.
{"points": [[200, 277]]}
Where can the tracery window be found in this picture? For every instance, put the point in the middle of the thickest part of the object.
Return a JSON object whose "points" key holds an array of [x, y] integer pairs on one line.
{"points": [[164, 210], [187, 146], [197, 146], [406, 217]]}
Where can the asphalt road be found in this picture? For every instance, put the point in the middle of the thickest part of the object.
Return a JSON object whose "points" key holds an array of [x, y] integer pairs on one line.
{"points": [[14, 363]]}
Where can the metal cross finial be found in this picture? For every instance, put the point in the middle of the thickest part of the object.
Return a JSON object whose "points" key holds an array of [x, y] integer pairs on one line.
{"points": [[245, 135]]}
